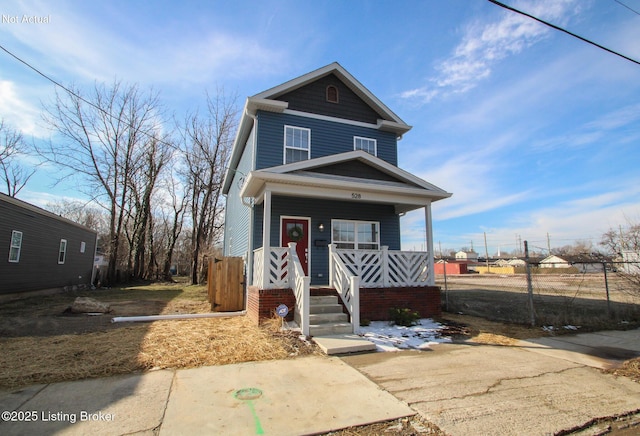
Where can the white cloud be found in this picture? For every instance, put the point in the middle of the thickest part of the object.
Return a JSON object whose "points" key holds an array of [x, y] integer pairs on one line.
{"points": [[484, 45], [16, 112], [88, 47]]}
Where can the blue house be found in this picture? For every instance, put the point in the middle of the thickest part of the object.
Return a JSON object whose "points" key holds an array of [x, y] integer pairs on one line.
{"points": [[314, 200]]}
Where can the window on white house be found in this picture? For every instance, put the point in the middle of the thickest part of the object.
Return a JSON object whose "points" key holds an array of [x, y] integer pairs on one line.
{"points": [[15, 247], [296, 144], [62, 253], [367, 144], [359, 235]]}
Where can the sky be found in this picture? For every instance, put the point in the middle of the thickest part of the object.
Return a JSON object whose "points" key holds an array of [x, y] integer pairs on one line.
{"points": [[535, 132]]}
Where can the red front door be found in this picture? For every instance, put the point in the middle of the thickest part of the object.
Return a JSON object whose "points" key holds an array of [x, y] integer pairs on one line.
{"points": [[297, 230]]}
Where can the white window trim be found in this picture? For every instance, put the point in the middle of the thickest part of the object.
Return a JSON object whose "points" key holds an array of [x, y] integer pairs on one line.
{"points": [[63, 252], [375, 144], [11, 246], [284, 154], [356, 242]]}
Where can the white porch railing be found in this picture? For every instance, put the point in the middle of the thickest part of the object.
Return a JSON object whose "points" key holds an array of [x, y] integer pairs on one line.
{"points": [[348, 271], [386, 268], [271, 272], [300, 289], [347, 284]]}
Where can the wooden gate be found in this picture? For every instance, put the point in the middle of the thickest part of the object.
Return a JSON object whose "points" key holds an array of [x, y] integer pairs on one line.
{"points": [[225, 284]]}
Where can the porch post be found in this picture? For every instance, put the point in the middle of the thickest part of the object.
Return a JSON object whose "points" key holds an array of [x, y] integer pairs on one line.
{"points": [[266, 239], [429, 234]]}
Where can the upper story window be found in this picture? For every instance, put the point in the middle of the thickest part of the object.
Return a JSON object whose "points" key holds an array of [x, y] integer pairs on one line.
{"points": [[16, 245], [297, 143], [367, 144], [332, 94], [62, 253]]}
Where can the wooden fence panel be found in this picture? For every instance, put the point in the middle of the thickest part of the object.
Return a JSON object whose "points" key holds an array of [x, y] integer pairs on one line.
{"points": [[225, 284]]}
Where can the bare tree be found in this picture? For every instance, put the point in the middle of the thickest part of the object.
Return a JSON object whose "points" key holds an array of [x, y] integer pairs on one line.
{"points": [[623, 238], [207, 144], [153, 157], [13, 146], [99, 141], [172, 220], [624, 244], [85, 214]]}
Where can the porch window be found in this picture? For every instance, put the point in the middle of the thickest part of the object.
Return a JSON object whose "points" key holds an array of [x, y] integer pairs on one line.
{"points": [[359, 235], [296, 144], [16, 245], [367, 144]]}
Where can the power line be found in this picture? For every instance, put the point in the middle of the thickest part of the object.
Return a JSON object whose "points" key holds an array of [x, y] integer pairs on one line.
{"points": [[78, 96], [632, 10], [588, 41]]}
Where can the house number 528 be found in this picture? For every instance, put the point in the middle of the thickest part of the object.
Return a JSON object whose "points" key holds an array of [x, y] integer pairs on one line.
{"points": [[356, 195]]}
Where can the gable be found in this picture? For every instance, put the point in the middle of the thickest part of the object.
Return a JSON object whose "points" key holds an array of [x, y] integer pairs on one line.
{"points": [[311, 98], [358, 169]]}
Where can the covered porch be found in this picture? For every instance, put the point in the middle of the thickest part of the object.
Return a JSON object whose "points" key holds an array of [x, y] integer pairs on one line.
{"points": [[321, 199]]}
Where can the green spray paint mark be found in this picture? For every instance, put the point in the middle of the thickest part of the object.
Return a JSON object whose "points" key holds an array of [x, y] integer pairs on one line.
{"points": [[248, 395]]}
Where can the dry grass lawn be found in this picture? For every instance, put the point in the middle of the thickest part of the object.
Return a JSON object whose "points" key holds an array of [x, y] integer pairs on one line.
{"points": [[146, 346], [129, 347]]}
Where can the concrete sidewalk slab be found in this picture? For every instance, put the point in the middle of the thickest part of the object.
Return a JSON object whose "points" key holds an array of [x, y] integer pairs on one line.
{"points": [[343, 344], [106, 406], [287, 397]]}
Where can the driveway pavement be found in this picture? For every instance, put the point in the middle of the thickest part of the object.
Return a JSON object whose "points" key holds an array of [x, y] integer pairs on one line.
{"points": [[535, 387]]}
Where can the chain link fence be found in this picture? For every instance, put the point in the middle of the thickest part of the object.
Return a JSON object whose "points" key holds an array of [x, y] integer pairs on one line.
{"points": [[586, 295]]}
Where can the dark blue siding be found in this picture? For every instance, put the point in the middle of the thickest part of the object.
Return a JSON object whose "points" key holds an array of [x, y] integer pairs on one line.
{"points": [[323, 211], [327, 138]]}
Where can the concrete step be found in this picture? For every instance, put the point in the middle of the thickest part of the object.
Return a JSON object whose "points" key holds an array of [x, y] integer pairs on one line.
{"points": [[324, 318], [325, 308], [323, 299], [341, 344], [330, 329]]}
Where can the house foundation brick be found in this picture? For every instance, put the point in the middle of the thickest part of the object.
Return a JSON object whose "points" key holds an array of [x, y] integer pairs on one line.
{"points": [[261, 303], [374, 302]]}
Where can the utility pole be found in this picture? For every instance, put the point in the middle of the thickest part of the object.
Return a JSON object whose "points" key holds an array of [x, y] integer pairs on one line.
{"points": [[549, 243], [486, 251], [529, 284]]}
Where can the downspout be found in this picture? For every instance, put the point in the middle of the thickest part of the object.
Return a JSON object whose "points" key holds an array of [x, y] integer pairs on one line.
{"points": [[249, 278]]}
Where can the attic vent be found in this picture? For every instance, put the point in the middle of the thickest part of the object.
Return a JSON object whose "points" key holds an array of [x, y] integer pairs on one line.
{"points": [[332, 94]]}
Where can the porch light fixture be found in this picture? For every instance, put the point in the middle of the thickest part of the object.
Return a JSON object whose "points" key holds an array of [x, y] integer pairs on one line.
{"points": [[321, 227]]}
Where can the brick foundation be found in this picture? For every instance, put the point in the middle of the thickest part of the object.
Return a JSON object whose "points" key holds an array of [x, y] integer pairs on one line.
{"points": [[261, 303], [374, 302]]}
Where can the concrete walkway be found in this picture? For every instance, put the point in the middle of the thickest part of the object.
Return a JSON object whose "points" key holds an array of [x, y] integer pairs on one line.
{"points": [[289, 397], [536, 387]]}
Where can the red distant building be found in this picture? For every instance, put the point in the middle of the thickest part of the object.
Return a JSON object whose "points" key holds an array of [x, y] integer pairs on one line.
{"points": [[451, 268]]}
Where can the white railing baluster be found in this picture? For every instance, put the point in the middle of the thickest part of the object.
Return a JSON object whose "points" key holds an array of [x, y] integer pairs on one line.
{"points": [[380, 268], [346, 282], [301, 284]]}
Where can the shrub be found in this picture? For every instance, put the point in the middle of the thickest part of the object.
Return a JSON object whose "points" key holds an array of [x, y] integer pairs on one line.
{"points": [[404, 317]]}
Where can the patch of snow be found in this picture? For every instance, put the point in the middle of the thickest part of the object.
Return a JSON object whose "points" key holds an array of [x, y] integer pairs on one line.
{"points": [[389, 337], [571, 327]]}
